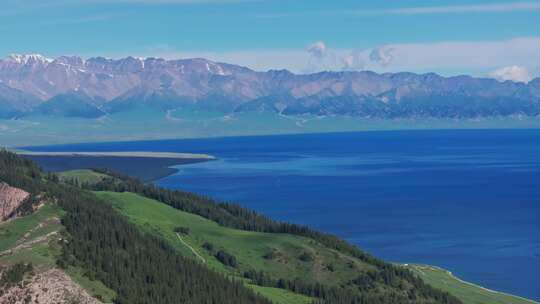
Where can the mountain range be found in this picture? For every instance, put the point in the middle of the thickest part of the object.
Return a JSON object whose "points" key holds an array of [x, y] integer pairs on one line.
{"points": [[70, 86]]}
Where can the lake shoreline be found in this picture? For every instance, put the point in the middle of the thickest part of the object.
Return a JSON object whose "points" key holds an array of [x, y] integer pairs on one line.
{"points": [[473, 289], [150, 166], [121, 154]]}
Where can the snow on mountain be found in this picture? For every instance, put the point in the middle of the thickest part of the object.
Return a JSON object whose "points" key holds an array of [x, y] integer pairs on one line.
{"points": [[28, 59], [167, 84]]}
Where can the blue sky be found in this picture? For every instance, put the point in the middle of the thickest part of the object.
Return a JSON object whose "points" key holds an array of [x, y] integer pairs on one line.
{"points": [[447, 37]]}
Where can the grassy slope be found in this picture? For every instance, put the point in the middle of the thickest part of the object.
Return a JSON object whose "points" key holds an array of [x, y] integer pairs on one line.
{"points": [[82, 175], [41, 254], [468, 293], [248, 247], [14, 230], [16, 233], [280, 296], [94, 287]]}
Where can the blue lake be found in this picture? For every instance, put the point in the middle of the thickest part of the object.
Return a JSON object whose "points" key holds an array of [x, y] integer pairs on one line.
{"points": [[464, 200]]}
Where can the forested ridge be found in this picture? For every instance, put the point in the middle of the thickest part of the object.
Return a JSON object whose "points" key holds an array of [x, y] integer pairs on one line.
{"points": [[142, 268], [139, 267]]}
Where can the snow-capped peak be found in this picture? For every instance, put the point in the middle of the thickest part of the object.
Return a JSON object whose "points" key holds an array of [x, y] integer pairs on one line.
{"points": [[75, 61], [28, 58]]}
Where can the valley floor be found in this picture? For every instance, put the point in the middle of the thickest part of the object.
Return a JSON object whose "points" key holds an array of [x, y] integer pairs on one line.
{"points": [[150, 124]]}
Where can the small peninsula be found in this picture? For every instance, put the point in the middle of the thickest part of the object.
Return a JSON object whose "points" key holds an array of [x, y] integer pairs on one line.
{"points": [[147, 166]]}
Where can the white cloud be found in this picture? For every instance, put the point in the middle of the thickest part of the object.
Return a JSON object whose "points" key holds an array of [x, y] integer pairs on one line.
{"points": [[321, 58], [382, 55], [353, 61], [317, 49], [514, 73]]}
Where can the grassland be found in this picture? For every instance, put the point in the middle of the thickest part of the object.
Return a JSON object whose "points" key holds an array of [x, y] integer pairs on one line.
{"points": [[93, 287], [280, 296], [466, 292], [33, 238], [14, 231], [146, 123], [82, 176], [251, 249]]}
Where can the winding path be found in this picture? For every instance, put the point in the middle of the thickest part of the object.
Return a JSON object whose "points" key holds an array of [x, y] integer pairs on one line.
{"points": [[191, 248]]}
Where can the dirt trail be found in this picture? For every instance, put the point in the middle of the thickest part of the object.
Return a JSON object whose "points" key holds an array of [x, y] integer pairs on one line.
{"points": [[28, 244], [191, 248], [24, 243]]}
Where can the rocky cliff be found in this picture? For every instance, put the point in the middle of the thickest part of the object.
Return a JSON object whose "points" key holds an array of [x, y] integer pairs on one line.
{"points": [[10, 199]]}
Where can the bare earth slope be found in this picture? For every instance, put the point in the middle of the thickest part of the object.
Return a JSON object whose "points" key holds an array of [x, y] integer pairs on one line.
{"points": [[50, 287], [10, 199]]}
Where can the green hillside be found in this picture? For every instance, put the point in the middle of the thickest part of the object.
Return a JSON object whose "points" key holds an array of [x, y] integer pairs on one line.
{"points": [[280, 296], [251, 249], [82, 176], [27, 239]]}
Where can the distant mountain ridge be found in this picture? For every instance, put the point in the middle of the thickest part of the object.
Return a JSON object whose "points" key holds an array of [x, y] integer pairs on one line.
{"points": [[76, 87]]}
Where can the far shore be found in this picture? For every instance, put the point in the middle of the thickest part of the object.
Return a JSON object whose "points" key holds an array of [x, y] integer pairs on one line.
{"points": [[147, 166], [121, 154]]}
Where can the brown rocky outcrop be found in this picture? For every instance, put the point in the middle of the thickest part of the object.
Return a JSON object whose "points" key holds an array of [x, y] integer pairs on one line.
{"points": [[10, 199], [50, 287]]}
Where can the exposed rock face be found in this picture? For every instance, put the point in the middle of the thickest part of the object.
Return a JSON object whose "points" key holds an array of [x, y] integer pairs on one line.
{"points": [[10, 199], [50, 287]]}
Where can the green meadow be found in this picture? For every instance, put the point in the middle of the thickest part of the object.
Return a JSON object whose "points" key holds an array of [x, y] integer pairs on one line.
{"points": [[82, 176], [14, 230], [251, 249]]}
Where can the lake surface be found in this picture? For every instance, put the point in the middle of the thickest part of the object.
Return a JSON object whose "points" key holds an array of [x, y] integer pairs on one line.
{"points": [[467, 200]]}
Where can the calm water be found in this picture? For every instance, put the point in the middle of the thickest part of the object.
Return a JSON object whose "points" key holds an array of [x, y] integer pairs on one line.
{"points": [[468, 201]]}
